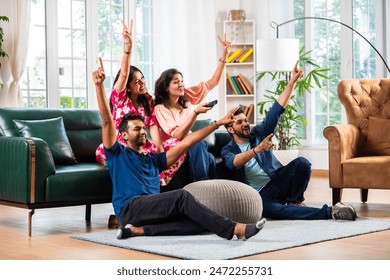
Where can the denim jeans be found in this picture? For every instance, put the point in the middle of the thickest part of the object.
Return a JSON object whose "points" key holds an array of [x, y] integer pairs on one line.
{"points": [[174, 213], [288, 186]]}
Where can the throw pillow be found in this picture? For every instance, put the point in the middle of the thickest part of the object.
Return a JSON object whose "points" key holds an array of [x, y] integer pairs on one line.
{"points": [[52, 131], [378, 137]]}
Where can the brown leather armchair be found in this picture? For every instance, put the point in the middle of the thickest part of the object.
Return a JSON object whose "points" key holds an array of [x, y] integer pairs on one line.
{"points": [[359, 152]]}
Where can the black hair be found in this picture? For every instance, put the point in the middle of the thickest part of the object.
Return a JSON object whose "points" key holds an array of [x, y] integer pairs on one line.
{"points": [[141, 98], [236, 113], [129, 117], [161, 94]]}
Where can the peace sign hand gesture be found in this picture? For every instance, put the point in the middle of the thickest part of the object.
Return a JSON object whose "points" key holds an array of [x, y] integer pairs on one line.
{"points": [[127, 36], [226, 46]]}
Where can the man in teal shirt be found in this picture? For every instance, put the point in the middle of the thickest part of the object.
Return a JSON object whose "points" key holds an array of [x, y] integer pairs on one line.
{"points": [[281, 188]]}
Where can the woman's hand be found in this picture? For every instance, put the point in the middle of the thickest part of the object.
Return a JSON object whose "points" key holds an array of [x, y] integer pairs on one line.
{"points": [[226, 47], [127, 36], [202, 108]]}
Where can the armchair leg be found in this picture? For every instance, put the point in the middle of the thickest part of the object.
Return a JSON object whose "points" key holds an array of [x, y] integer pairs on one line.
{"points": [[88, 212], [336, 195], [364, 195], [30, 222]]}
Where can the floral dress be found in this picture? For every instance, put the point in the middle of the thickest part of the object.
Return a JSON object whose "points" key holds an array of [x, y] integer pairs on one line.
{"points": [[122, 105], [170, 122]]}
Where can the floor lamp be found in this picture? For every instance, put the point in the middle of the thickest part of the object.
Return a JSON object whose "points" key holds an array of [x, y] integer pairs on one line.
{"points": [[275, 25], [277, 55]]}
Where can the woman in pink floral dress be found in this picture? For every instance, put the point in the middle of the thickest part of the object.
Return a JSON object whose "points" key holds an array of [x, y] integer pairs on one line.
{"points": [[129, 94], [174, 107]]}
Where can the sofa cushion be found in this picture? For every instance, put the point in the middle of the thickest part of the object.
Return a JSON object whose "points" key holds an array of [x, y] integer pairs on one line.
{"points": [[210, 140], [81, 182], [52, 131], [378, 137]]}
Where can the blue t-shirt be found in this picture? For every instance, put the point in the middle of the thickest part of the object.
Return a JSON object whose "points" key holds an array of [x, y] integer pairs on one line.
{"points": [[133, 174], [256, 177]]}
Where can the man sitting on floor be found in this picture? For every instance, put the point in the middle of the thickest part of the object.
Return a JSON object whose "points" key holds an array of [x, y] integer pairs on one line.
{"points": [[281, 188], [138, 205]]}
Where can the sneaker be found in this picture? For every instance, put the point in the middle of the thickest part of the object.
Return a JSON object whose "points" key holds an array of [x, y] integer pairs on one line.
{"points": [[253, 229], [341, 211], [124, 232]]}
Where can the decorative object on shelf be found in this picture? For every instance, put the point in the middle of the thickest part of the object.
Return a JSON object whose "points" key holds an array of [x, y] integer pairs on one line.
{"points": [[236, 15], [275, 25], [290, 120], [2, 52], [236, 18]]}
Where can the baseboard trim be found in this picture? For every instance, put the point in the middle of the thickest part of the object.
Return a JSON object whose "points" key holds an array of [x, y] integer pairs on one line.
{"points": [[320, 172]]}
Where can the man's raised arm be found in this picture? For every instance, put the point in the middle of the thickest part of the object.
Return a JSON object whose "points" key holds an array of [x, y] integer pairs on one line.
{"points": [[108, 126]]}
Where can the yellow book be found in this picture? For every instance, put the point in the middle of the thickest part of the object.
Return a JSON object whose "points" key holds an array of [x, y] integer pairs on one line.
{"points": [[233, 55], [245, 56]]}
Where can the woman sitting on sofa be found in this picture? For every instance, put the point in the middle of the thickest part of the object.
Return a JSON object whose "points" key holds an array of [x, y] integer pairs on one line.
{"points": [[176, 117], [129, 94]]}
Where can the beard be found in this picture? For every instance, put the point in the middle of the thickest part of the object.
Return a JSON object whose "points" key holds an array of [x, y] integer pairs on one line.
{"points": [[244, 133], [141, 140]]}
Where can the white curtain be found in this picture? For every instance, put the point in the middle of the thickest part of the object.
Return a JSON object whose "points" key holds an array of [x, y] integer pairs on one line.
{"points": [[186, 38], [16, 34]]}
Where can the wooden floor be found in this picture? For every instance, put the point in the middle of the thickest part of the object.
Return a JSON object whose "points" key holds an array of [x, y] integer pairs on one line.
{"points": [[53, 227]]}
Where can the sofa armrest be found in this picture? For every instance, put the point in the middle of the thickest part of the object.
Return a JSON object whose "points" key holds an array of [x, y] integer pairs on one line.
{"points": [[343, 144], [25, 163]]}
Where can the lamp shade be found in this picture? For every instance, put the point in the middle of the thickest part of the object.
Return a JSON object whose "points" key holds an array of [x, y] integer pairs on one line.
{"points": [[276, 55]]}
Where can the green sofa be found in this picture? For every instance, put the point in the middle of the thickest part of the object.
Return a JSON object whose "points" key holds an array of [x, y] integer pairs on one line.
{"points": [[31, 178]]}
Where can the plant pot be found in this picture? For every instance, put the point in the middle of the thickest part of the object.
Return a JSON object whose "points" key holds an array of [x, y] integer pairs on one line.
{"points": [[285, 156]]}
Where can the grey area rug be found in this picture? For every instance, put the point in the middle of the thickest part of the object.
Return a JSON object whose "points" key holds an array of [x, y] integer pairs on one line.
{"points": [[276, 235]]}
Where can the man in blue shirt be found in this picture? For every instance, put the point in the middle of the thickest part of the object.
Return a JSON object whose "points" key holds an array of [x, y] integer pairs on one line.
{"points": [[281, 188], [138, 204]]}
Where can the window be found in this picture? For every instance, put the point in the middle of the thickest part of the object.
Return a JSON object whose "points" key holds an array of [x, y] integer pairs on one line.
{"points": [[332, 47], [63, 54]]}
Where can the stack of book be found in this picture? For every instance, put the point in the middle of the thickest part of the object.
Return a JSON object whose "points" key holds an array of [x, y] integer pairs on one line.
{"points": [[240, 55], [239, 84], [248, 110]]}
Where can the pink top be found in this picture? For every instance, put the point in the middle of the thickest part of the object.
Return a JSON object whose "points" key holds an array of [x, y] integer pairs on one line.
{"points": [[170, 122]]}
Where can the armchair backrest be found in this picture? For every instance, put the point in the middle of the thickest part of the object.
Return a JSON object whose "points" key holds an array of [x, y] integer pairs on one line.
{"points": [[364, 98]]}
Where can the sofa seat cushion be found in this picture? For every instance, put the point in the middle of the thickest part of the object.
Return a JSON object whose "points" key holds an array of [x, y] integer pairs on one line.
{"points": [[232, 199], [52, 131], [78, 182], [367, 172]]}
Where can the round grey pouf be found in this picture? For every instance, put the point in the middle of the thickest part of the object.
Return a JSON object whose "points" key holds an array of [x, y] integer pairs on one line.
{"points": [[232, 199]]}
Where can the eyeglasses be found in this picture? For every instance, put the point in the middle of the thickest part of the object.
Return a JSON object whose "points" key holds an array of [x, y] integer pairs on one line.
{"points": [[239, 122]]}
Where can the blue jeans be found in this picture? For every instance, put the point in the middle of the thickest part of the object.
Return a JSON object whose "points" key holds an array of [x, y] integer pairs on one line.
{"points": [[174, 213], [288, 186]]}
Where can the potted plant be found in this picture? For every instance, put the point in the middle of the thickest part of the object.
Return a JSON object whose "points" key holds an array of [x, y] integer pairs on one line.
{"points": [[291, 120], [2, 52]]}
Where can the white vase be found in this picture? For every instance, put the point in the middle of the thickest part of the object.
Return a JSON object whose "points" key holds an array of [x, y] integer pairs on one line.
{"points": [[285, 156]]}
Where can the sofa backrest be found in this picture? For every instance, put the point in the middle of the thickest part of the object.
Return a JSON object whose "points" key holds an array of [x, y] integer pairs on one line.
{"points": [[83, 127]]}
